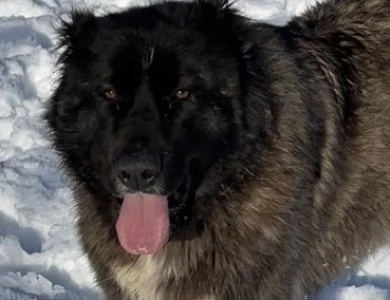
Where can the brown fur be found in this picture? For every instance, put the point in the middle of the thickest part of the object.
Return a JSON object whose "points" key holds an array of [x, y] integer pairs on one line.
{"points": [[279, 233]]}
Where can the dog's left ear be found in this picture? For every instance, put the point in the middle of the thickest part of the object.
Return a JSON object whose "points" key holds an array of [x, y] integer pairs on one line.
{"points": [[211, 13], [219, 4], [219, 18]]}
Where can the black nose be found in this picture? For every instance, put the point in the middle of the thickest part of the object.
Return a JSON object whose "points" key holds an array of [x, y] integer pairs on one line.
{"points": [[138, 171]]}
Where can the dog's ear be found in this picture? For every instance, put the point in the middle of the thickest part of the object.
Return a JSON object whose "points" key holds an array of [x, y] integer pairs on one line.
{"points": [[219, 18], [219, 4], [76, 34], [212, 16]]}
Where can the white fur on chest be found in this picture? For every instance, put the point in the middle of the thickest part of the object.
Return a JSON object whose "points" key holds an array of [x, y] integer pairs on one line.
{"points": [[142, 278], [145, 277]]}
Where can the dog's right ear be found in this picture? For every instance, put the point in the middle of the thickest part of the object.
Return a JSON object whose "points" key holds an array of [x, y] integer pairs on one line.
{"points": [[76, 34]]}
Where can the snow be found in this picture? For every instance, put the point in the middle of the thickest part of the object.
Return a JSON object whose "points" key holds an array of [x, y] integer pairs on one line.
{"points": [[39, 254]]}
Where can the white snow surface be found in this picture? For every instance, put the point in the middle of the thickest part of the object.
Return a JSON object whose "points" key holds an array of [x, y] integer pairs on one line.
{"points": [[40, 257]]}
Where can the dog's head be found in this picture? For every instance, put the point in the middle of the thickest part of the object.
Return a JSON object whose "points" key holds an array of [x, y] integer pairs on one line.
{"points": [[148, 101]]}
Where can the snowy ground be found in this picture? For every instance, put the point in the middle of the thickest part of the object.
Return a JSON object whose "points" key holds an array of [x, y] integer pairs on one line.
{"points": [[39, 255]]}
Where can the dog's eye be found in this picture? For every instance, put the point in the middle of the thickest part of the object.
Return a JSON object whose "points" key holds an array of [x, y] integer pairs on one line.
{"points": [[110, 94], [182, 95]]}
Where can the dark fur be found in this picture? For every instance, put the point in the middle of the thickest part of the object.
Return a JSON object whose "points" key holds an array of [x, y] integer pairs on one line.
{"points": [[285, 141]]}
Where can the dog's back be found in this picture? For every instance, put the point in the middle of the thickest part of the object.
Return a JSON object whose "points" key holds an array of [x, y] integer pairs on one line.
{"points": [[350, 42]]}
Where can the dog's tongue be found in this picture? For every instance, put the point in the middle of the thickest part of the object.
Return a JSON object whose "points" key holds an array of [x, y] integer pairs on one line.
{"points": [[143, 223]]}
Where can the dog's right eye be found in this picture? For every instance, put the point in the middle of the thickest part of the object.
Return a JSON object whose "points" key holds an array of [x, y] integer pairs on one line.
{"points": [[110, 94], [181, 94]]}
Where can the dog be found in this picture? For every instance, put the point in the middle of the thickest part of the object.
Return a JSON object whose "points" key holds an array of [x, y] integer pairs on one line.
{"points": [[216, 157]]}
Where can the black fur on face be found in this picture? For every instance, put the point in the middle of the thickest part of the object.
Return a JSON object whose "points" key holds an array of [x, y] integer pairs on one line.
{"points": [[157, 95]]}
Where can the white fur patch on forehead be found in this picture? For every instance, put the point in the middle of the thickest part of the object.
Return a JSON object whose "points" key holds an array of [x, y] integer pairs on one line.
{"points": [[148, 56]]}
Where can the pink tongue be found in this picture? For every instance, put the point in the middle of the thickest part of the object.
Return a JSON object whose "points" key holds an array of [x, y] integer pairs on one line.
{"points": [[143, 223]]}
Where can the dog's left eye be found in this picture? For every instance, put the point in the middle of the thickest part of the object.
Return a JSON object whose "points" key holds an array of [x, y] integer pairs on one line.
{"points": [[181, 94], [110, 94]]}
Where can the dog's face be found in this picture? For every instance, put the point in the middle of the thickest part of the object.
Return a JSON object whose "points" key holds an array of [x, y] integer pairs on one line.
{"points": [[149, 100]]}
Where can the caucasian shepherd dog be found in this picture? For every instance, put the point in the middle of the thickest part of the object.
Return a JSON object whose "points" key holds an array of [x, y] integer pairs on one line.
{"points": [[215, 157]]}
